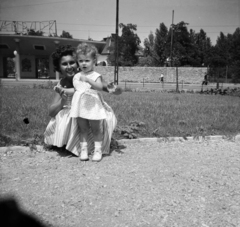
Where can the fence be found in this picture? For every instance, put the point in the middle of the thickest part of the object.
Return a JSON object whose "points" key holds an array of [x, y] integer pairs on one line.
{"points": [[224, 74], [181, 86], [189, 75]]}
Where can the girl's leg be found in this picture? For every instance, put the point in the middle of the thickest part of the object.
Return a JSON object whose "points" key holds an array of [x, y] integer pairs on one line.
{"points": [[97, 130], [83, 125]]}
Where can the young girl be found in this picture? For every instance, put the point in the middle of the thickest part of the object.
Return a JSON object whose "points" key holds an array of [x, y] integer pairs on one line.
{"points": [[92, 113]]}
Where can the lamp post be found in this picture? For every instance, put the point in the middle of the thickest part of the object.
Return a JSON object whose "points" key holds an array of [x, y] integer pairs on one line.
{"points": [[17, 60], [116, 45]]}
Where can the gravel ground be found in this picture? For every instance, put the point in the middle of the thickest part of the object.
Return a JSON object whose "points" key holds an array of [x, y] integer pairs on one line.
{"points": [[143, 184]]}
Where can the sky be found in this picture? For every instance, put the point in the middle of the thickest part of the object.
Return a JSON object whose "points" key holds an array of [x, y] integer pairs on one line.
{"points": [[96, 19]]}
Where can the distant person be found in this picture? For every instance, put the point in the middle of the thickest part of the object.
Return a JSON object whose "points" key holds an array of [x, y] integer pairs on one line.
{"points": [[162, 78], [63, 130], [205, 81]]}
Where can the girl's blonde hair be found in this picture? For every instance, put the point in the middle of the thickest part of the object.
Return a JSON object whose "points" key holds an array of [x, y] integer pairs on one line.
{"points": [[85, 48]]}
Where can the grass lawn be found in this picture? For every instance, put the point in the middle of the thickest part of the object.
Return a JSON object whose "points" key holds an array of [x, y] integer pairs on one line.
{"points": [[139, 114]]}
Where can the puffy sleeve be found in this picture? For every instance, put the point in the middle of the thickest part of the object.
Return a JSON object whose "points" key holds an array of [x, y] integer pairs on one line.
{"points": [[94, 76]]}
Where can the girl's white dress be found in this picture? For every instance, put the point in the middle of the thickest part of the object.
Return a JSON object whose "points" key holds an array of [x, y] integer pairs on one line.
{"points": [[88, 103], [63, 130]]}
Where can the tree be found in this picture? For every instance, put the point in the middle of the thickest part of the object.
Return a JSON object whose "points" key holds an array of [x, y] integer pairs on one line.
{"points": [[34, 33], [181, 43], [235, 56], [128, 44], [201, 45], [160, 45], [223, 45], [157, 48], [66, 35], [150, 56]]}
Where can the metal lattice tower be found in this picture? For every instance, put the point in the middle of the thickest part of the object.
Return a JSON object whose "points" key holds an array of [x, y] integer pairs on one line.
{"points": [[23, 27]]}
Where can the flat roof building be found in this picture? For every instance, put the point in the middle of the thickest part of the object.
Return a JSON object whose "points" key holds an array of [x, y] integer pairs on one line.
{"points": [[29, 57]]}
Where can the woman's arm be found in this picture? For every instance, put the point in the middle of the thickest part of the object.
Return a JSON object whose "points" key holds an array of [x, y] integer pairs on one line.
{"points": [[60, 90], [56, 105], [68, 91]]}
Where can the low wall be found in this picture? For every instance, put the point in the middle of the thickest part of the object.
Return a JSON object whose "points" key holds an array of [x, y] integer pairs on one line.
{"points": [[152, 74]]}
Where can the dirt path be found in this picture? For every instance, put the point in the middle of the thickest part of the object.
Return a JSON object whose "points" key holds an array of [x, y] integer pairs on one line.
{"points": [[148, 184]]}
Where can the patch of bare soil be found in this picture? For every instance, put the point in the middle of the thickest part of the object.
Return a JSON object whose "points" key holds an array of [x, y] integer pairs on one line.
{"points": [[144, 184]]}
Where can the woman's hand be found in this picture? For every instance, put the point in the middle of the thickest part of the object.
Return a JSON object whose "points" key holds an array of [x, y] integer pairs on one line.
{"points": [[58, 89], [63, 93]]}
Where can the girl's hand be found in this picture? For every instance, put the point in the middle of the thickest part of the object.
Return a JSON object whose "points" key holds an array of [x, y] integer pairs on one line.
{"points": [[118, 91], [114, 89], [84, 78]]}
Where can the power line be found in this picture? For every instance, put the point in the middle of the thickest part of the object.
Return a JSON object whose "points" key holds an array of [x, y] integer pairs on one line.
{"points": [[150, 26], [113, 31], [100, 25]]}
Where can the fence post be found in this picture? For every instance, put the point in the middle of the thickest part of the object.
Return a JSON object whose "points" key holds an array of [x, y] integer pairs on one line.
{"points": [[177, 89]]}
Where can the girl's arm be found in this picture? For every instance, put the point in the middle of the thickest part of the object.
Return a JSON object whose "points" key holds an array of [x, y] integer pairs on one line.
{"points": [[111, 88], [101, 85]]}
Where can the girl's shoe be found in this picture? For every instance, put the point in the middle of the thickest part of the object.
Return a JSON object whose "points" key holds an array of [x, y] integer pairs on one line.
{"points": [[97, 156], [84, 155]]}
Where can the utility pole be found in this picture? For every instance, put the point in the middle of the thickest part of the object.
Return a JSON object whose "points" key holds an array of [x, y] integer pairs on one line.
{"points": [[55, 22], [172, 39], [116, 45], [172, 30]]}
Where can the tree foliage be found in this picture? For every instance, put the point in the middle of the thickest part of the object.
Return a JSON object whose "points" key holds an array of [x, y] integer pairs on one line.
{"points": [[66, 35], [34, 33], [161, 45], [128, 45], [190, 48]]}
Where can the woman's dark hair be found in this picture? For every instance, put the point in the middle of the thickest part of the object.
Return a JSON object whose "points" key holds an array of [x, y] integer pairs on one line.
{"points": [[61, 51]]}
